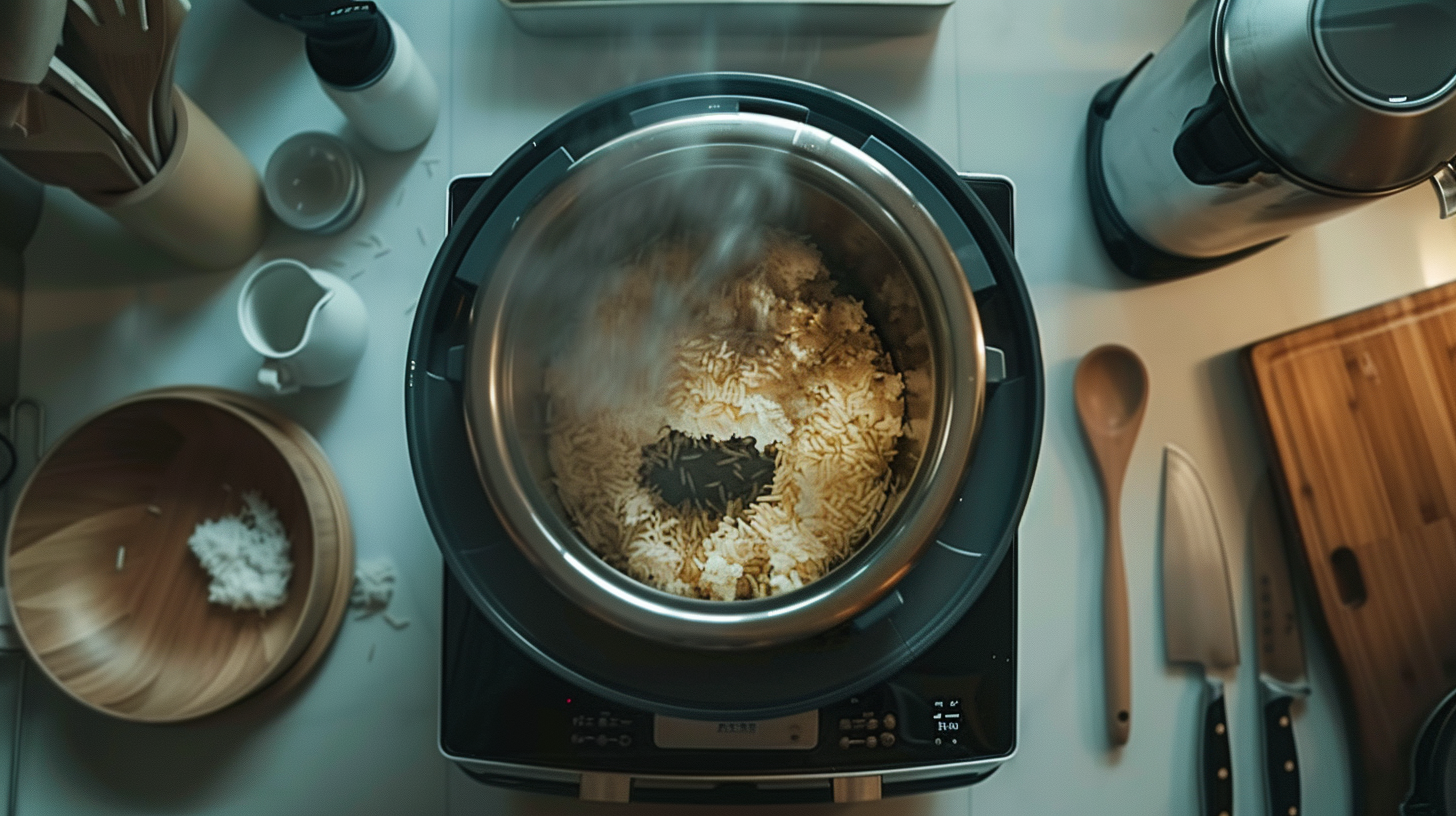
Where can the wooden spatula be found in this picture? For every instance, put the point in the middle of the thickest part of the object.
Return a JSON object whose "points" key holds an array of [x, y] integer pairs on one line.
{"points": [[67, 84], [163, 115], [55, 143], [118, 46]]}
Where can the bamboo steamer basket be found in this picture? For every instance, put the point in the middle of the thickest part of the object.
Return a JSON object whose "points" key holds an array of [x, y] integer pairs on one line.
{"points": [[142, 642]]}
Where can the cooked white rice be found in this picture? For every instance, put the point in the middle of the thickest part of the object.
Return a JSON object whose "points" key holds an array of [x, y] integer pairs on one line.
{"points": [[245, 555], [777, 357]]}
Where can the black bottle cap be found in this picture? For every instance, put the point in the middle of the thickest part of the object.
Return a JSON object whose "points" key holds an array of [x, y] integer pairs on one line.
{"points": [[349, 45]]}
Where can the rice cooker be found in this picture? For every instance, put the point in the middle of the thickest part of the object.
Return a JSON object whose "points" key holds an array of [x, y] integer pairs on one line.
{"points": [[901, 231]]}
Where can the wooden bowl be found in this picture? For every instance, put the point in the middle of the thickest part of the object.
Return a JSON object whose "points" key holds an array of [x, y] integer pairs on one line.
{"points": [[344, 573], [296, 440], [143, 643]]}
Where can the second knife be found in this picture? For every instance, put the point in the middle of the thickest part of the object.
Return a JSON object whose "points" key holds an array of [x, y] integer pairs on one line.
{"points": [[1281, 653]]}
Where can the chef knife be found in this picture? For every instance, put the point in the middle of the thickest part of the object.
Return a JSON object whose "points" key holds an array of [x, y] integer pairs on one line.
{"points": [[1198, 613], [1281, 653]]}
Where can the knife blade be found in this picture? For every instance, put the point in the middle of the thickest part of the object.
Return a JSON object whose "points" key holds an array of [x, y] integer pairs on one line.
{"points": [[1281, 653], [1198, 613]]}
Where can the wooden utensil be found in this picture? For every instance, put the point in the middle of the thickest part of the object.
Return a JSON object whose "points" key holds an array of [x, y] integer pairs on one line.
{"points": [[1111, 390], [170, 655], [67, 84], [61, 145], [164, 114], [118, 46], [1359, 415]]}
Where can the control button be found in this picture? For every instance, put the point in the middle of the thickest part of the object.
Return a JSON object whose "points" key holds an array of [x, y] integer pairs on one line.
{"points": [[887, 739], [873, 724], [602, 740], [844, 724], [601, 722], [872, 742], [859, 724], [846, 742], [625, 740], [889, 721]]}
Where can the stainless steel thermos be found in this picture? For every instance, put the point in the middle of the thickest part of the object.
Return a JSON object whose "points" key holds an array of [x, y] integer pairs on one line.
{"points": [[1264, 116]]}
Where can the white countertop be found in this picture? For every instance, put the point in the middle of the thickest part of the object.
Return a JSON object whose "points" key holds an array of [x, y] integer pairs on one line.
{"points": [[1003, 88]]}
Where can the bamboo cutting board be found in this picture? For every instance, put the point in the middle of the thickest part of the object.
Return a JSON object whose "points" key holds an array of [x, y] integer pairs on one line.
{"points": [[1360, 419]]}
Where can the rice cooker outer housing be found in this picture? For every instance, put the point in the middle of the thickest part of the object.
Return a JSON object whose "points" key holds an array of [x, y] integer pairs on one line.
{"points": [[675, 680]]}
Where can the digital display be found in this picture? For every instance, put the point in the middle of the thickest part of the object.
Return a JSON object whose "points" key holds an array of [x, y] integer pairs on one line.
{"points": [[797, 732], [945, 720]]}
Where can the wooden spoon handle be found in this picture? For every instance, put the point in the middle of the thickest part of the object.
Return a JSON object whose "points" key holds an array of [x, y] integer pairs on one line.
{"points": [[1116, 642]]}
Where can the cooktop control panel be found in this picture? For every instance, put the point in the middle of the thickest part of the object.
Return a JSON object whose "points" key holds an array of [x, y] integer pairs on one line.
{"points": [[955, 703]]}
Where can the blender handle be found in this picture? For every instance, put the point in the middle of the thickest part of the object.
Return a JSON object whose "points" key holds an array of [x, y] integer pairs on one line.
{"points": [[1445, 183]]}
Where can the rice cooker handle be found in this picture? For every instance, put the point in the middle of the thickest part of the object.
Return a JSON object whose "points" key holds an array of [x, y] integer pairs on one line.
{"points": [[1212, 147]]}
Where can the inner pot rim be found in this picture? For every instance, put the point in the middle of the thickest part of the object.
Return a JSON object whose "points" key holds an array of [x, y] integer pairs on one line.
{"points": [[550, 541]]}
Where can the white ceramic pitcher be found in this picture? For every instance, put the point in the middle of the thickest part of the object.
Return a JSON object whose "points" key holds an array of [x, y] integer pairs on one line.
{"points": [[311, 326]]}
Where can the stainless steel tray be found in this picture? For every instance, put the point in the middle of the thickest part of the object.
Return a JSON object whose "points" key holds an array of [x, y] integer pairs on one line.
{"points": [[862, 17]]}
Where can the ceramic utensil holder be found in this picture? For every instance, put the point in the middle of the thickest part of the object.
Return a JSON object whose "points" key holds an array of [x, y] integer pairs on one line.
{"points": [[205, 205]]}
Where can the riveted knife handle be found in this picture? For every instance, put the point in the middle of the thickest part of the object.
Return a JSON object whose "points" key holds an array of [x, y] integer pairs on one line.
{"points": [[1281, 761], [1218, 769]]}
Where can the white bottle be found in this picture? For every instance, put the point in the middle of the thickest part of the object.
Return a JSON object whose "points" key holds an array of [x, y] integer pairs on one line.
{"points": [[398, 110], [367, 65]]}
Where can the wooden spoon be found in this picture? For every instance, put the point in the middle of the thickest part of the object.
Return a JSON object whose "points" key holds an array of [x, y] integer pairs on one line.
{"points": [[1111, 389]]}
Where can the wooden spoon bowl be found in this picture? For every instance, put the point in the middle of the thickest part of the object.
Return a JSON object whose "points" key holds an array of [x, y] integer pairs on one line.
{"points": [[142, 642]]}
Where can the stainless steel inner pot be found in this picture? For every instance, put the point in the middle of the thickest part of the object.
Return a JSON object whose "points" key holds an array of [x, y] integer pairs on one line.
{"points": [[880, 245]]}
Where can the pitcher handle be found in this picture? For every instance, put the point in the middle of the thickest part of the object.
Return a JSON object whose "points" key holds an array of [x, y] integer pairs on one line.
{"points": [[276, 374]]}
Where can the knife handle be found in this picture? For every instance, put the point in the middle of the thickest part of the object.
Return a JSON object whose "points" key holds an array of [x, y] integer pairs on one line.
{"points": [[1281, 761], [1116, 641], [1218, 769]]}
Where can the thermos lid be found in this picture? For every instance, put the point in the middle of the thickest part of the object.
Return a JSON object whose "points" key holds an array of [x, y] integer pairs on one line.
{"points": [[349, 44], [1391, 53], [1353, 96]]}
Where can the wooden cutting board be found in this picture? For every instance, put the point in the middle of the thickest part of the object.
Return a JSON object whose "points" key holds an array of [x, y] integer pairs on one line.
{"points": [[1360, 421]]}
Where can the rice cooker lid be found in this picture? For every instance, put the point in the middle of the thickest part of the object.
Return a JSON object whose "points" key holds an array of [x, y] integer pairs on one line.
{"points": [[604, 659]]}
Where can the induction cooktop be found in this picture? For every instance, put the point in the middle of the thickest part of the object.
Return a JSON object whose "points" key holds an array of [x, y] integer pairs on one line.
{"points": [[946, 720]]}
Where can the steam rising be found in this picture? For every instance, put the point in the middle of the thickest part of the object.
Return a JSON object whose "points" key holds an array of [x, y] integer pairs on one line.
{"points": [[718, 212]]}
